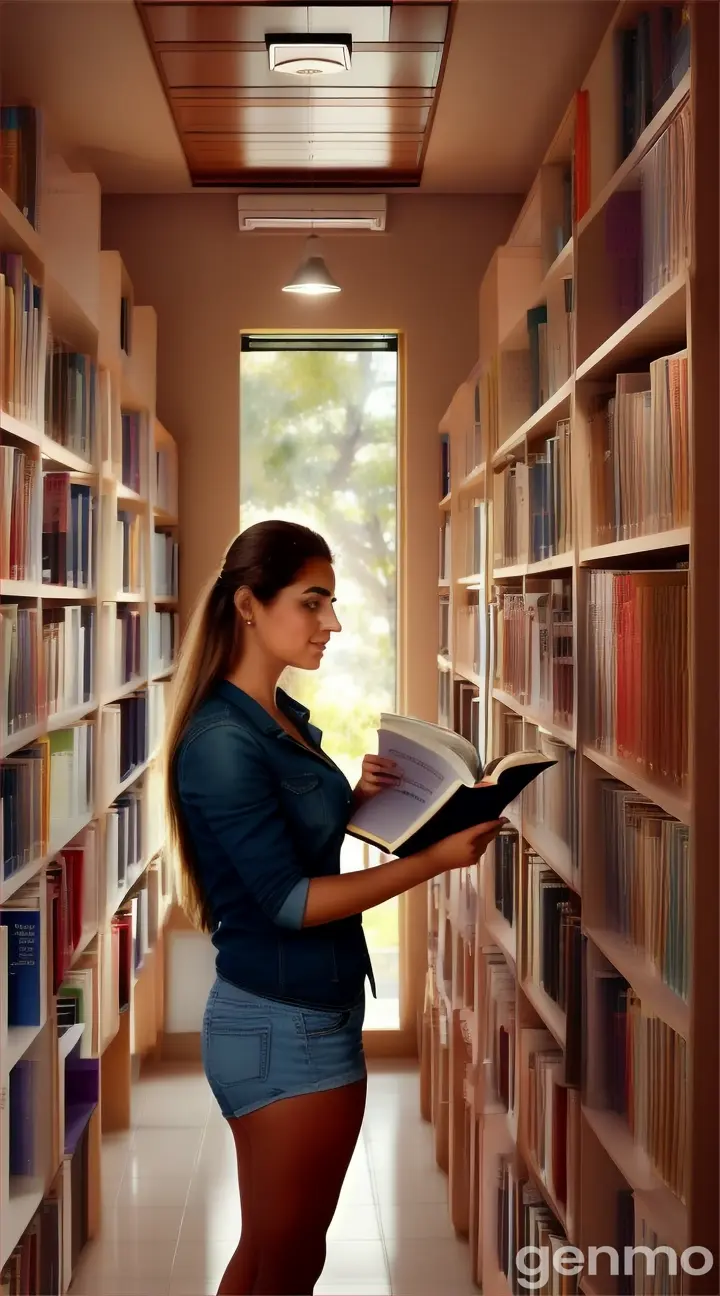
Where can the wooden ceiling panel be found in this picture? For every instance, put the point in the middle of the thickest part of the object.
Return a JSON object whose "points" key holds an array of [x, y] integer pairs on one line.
{"points": [[240, 122], [242, 119]]}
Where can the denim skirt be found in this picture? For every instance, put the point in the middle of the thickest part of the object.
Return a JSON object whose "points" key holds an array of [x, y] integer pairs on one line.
{"points": [[257, 1051]]}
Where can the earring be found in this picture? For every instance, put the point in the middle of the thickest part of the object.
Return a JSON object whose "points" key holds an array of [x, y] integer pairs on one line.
{"points": [[248, 623]]}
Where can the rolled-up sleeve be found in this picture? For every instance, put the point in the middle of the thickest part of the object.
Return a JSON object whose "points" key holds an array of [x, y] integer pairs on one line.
{"points": [[223, 777]]}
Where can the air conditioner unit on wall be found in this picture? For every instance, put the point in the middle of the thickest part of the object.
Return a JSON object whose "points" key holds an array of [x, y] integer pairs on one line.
{"points": [[321, 212]]}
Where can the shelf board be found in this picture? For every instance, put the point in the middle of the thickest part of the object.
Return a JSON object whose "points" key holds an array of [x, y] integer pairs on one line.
{"points": [[537, 1177], [673, 801], [478, 579], [129, 596], [33, 589], [499, 929], [472, 677], [472, 479], [546, 1008], [19, 1040], [70, 1039], [442, 585], [124, 690], [163, 673], [676, 539], [446, 502], [516, 339], [67, 833], [555, 852], [17, 234], [660, 323], [60, 455], [87, 935], [665, 1210], [653, 993], [128, 781], [128, 496], [163, 518], [508, 701], [558, 731], [16, 428], [542, 421], [513, 572], [49, 724], [558, 562], [651, 133]]}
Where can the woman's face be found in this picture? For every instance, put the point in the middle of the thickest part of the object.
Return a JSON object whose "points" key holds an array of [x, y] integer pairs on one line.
{"points": [[296, 627]]}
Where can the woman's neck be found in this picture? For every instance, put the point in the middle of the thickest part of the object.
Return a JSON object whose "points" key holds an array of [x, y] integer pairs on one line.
{"points": [[258, 677]]}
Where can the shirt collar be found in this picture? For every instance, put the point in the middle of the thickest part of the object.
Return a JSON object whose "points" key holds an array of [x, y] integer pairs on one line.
{"points": [[256, 714]]}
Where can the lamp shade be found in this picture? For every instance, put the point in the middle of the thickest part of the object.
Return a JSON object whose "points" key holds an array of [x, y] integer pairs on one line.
{"points": [[312, 277]]}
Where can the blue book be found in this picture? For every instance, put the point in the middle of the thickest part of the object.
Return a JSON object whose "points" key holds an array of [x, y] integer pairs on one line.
{"points": [[24, 964], [22, 1085]]}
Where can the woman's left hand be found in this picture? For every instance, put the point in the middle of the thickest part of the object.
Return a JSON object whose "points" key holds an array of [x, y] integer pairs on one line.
{"points": [[378, 773]]}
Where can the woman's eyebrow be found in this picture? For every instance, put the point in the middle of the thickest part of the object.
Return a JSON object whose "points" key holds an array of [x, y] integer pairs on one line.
{"points": [[319, 589]]}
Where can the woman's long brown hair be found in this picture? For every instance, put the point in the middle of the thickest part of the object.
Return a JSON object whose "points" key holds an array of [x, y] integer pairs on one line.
{"points": [[264, 559]]}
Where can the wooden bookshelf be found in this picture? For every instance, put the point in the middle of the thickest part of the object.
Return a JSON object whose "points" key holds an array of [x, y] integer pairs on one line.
{"points": [[86, 1069], [567, 829]]}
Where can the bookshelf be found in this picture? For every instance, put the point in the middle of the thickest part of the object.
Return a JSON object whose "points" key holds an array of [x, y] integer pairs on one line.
{"points": [[89, 531], [572, 975]]}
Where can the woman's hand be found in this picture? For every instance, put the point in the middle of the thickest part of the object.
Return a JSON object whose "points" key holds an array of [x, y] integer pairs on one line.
{"points": [[464, 849], [378, 773]]}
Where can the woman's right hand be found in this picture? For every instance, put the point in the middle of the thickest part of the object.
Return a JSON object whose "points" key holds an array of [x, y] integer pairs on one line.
{"points": [[464, 849]]}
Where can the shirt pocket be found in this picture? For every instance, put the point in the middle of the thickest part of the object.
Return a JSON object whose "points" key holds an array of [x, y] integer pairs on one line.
{"points": [[304, 802]]}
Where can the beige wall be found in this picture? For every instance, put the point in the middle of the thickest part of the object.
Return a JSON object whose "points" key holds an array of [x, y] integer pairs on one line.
{"points": [[208, 283]]}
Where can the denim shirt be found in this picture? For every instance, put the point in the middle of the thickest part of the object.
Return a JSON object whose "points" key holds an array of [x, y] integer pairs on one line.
{"points": [[264, 816]]}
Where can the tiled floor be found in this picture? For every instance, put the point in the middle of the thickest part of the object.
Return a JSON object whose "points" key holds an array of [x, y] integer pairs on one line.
{"points": [[171, 1207]]}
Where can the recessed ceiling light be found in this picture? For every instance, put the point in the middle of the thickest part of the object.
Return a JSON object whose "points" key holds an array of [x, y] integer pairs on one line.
{"points": [[309, 55]]}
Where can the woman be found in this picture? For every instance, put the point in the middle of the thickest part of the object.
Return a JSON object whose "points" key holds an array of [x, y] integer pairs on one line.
{"points": [[258, 813]]}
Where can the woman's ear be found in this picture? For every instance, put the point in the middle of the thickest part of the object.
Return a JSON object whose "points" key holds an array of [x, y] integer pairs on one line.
{"points": [[244, 604]]}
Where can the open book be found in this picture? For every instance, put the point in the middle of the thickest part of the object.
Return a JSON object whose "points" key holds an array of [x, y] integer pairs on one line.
{"points": [[436, 796]]}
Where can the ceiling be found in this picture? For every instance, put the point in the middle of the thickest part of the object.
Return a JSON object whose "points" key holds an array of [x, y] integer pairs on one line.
{"points": [[511, 70], [242, 123]]}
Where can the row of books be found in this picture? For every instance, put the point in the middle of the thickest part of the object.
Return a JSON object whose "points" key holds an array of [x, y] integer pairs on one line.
{"points": [[444, 465], [510, 524], [648, 229], [551, 799], [22, 344], [68, 532], [124, 842], [445, 549], [133, 441], [20, 151], [21, 702], [165, 564], [499, 1034], [534, 662], [125, 642], [72, 399], [640, 465], [553, 938], [638, 669], [127, 551], [654, 57], [470, 715], [125, 739], [72, 880], [524, 1220], [19, 515], [641, 1073], [472, 629], [44, 788], [550, 1114], [506, 857], [166, 481], [550, 496], [164, 639], [551, 346], [34, 1265], [646, 868]]}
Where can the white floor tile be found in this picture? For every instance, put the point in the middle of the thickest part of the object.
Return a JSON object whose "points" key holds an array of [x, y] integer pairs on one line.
{"points": [[171, 1208]]}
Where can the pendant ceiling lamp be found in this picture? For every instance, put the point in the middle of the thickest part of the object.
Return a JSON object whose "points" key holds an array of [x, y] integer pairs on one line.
{"points": [[312, 277]]}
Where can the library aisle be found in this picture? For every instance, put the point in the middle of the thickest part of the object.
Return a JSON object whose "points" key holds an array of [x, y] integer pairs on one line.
{"points": [[171, 1210]]}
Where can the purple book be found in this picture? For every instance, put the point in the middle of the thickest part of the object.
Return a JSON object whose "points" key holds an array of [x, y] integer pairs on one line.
{"points": [[22, 1106], [623, 244]]}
